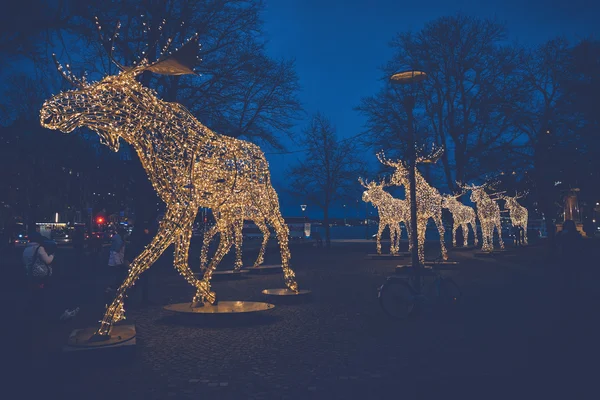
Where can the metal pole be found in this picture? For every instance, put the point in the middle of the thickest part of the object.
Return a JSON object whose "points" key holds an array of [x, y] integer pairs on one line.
{"points": [[409, 103]]}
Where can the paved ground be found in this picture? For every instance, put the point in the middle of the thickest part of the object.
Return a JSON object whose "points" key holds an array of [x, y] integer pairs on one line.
{"points": [[513, 336]]}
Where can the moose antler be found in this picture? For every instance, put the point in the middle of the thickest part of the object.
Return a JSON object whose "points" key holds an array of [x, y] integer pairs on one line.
{"points": [[179, 62], [432, 157], [109, 45], [455, 196], [385, 161], [466, 187], [363, 183], [521, 195], [68, 74], [497, 195]]}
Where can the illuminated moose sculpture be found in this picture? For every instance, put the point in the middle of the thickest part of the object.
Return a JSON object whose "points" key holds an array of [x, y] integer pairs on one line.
{"points": [[429, 203], [391, 211], [463, 216], [189, 165], [518, 214], [488, 213]]}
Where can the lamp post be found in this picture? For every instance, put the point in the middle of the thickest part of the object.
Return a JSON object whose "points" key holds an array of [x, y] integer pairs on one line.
{"points": [[303, 208], [409, 79]]}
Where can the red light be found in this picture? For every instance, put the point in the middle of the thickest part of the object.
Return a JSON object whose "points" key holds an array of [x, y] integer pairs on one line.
{"points": [[99, 220]]}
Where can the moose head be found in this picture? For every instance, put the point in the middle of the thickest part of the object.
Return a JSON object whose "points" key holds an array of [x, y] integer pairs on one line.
{"points": [[400, 175], [374, 193], [478, 193], [451, 201], [117, 102], [511, 202]]}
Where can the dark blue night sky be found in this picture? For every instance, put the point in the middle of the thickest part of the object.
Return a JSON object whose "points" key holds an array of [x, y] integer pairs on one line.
{"points": [[339, 46]]}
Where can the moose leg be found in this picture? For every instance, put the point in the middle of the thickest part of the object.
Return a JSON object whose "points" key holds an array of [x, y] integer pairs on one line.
{"points": [[379, 231], [525, 232], [394, 239], [182, 246], [499, 230], [441, 230], [266, 234], [465, 231], [204, 294], [454, 229], [115, 312], [421, 229], [487, 231], [208, 236], [474, 229], [238, 225], [282, 232]]}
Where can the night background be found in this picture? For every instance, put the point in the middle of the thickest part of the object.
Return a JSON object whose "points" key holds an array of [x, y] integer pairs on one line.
{"points": [[512, 97]]}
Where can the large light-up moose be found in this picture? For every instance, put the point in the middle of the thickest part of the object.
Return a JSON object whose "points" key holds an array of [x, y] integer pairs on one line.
{"points": [[464, 217], [189, 165], [517, 213], [488, 213], [391, 211], [429, 203]]}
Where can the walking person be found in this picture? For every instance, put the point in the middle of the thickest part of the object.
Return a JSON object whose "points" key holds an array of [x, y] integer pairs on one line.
{"points": [[116, 259]]}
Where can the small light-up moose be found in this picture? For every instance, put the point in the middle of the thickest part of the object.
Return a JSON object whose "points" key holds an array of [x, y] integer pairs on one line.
{"points": [[391, 211]]}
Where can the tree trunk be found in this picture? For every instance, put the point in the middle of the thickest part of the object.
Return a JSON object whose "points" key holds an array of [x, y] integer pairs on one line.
{"points": [[327, 228]]}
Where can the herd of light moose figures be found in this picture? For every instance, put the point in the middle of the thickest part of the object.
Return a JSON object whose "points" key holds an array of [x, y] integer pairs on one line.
{"points": [[393, 212], [191, 166]]}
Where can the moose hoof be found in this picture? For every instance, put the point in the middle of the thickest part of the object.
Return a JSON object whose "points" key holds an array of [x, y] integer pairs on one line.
{"points": [[197, 303], [211, 298], [293, 286]]}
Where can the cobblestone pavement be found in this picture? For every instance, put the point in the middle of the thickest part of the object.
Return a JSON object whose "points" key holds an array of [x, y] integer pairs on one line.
{"points": [[501, 342]]}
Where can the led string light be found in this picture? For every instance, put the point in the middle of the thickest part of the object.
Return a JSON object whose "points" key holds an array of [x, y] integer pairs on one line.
{"points": [[463, 216], [391, 212], [488, 213], [189, 166], [429, 203], [517, 213]]}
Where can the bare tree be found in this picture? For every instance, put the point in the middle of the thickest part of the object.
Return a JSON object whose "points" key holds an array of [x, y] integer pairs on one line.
{"points": [[469, 99], [241, 91], [543, 122], [330, 169]]}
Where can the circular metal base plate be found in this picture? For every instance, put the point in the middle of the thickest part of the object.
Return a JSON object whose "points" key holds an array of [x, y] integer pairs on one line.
{"points": [[285, 292], [265, 269], [229, 272], [222, 307], [118, 334], [441, 263]]}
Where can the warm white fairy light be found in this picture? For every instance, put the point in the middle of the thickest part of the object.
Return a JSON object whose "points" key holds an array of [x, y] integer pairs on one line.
{"points": [[429, 202], [518, 214], [391, 211], [247, 214], [463, 216], [488, 214], [189, 166]]}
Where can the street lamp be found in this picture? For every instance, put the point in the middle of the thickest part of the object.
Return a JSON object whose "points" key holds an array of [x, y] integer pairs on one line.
{"points": [[410, 78], [303, 208]]}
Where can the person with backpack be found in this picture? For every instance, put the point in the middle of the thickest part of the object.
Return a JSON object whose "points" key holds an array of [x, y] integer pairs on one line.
{"points": [[37, 258]]}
